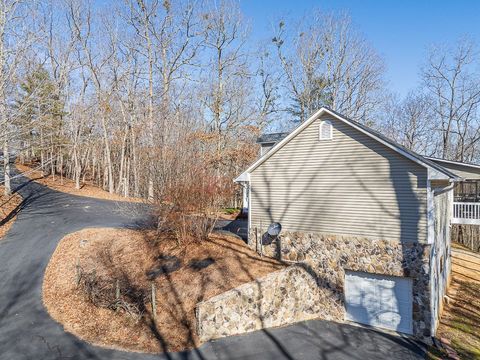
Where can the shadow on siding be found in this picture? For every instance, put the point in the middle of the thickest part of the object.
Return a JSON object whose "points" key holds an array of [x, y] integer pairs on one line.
{"points": [[281, 191]]}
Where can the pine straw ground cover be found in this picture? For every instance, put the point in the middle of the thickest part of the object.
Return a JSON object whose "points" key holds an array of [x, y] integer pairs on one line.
{"points": [[200, 270], [8, 210], [68, 186]]}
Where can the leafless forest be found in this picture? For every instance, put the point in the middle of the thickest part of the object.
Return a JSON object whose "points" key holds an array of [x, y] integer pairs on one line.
{"points": [[163, 100]]}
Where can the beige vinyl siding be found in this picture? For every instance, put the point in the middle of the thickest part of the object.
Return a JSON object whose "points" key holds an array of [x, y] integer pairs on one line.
{"points": [[467, 172], [350, 185]]}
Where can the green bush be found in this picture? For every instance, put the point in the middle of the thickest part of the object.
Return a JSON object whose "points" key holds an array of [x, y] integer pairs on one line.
{"points": [[231, 211]]}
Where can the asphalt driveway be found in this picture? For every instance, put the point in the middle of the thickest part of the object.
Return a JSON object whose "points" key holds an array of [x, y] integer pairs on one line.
{"points": [[28, 332]]}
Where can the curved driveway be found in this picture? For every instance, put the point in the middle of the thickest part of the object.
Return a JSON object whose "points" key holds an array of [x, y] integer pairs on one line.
{"points": [[28, 332]]}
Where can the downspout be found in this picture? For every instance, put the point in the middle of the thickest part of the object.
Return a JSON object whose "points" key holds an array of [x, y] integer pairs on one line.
{"points": [[244, 198], [244, 181], [431, 241]]}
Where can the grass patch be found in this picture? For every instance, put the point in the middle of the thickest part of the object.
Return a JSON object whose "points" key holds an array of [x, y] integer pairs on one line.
{"points": [[230, 211], [461, 320]]}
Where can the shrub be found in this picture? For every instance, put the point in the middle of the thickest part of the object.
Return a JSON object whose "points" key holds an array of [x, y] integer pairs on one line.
{"points": [[113, 289], [191, 204], [113, 294]]}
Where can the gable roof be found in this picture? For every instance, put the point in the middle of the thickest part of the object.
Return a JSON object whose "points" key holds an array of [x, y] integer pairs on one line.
{"points": [[452, 162], [467, 171], [436, 171]]}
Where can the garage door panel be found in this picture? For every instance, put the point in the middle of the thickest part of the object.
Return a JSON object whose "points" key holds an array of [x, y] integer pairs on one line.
{"points": [[354, 294], [405, 322], [385, 319], [385, 296], [368, 300], [381, 301], [356, 312]]}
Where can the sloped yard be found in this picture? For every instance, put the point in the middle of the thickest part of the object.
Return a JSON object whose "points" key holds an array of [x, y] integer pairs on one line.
{"points": [[68, 186], [99, 283], [9, 206], [460, 324]]}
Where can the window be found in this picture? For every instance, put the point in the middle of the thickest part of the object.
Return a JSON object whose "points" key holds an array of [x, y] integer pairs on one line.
{"points": [[326, 130]]}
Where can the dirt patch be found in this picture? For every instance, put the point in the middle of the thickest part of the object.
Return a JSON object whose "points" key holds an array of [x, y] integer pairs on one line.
{"points": [[68, 186], [182, 275], [9, 206], [456, 245], [460, 323]]}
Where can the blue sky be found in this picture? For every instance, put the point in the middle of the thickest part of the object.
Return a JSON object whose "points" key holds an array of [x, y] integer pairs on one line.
{"points": [[401, 31]]}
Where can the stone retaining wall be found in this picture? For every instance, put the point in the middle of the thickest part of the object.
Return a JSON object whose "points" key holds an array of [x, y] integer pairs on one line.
{"points": [[328, 256], [280, 298]]}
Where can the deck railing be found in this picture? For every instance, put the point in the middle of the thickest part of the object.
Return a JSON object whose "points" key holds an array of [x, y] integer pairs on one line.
{"points": [[466, 213]]}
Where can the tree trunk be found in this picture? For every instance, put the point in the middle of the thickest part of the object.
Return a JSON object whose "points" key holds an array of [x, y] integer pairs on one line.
{"points": [[121, 181], [108, 156], [77, 169], [135, 168], [6, 169], [61, 167], [42, 155], [127, 179], [52, 163]]}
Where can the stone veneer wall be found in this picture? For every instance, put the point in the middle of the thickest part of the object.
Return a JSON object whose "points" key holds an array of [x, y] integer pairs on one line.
{"points": [[328, 256], [280, 298]]}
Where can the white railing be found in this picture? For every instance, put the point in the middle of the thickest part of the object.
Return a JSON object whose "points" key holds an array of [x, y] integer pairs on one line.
{"points": [[466, 213]]}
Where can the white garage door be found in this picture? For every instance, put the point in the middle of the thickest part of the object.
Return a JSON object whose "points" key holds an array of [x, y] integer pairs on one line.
{"points": [[377, 300]]}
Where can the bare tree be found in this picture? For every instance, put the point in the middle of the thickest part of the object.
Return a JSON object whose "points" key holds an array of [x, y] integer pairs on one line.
{"points": [[228, 79], [15, 39], [268, 93], [454, 86], [409, 122], [80, 20], [148, 97], [327, 62], [168, 35]]}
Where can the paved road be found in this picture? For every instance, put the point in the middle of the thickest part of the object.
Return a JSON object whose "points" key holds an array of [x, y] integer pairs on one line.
{"points": [[28, 332], [237, 227]]}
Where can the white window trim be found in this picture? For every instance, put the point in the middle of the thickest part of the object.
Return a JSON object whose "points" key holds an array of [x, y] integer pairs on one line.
{"points": [[326, 122]]}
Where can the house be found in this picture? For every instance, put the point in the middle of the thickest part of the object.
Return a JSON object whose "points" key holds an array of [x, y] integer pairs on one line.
{"points": [[467, 190], [368, 217]]}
